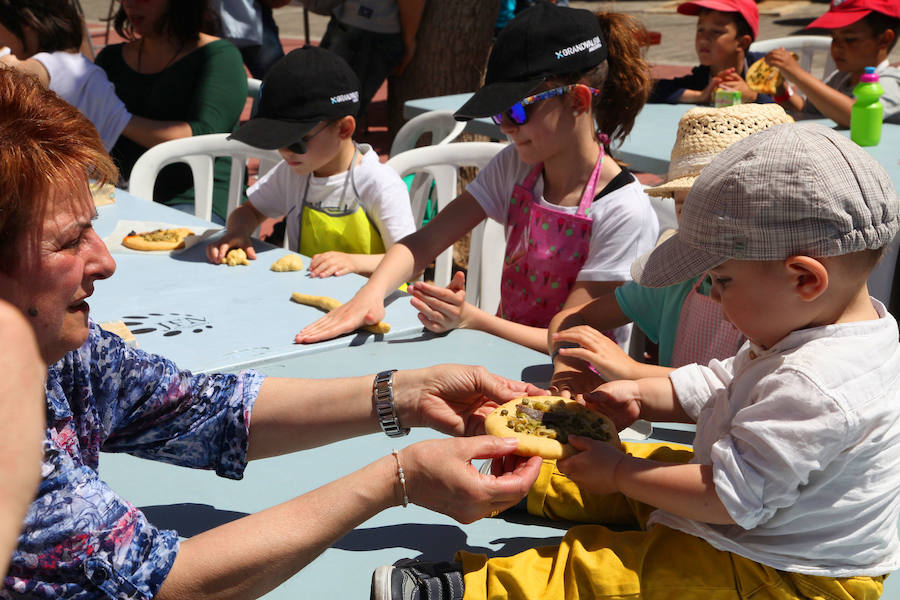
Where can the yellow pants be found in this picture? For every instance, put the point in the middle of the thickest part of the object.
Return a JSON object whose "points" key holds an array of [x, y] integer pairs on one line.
{"points": [[656, 563]]}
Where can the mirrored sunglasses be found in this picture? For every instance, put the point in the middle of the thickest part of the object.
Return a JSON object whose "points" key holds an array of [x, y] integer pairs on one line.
{"points": [[519, 116]]}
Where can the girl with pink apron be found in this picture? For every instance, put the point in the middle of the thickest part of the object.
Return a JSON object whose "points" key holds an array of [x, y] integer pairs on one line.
{"points": [[545, 250]]}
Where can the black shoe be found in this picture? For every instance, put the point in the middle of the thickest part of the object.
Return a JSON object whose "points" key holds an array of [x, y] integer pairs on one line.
{"points": [[413, 580]]}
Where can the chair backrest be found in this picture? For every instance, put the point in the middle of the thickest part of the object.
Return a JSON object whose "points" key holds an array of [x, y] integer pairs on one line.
{"points": [[807, 48], [199, 153], [443, 129], [487, 245], [253, 87]]}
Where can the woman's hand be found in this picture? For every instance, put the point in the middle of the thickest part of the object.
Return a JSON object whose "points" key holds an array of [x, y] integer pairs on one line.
{"points": [[440, 476], [619, 400], [332, 263], [216, 251], [453, 399], [594, 467], [362, 309], [441, 309], [595, 348]]}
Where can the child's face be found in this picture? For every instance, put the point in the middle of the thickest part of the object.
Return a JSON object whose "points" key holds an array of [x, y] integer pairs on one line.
{"points": [[679, 198], [540, 137], [716, 41], [854, 47], [757, 298], [323, 144]]}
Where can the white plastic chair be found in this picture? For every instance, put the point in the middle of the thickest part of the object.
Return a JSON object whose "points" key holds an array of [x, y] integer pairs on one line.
{"points": [[487, 245], [443, 129], [806, 47], [253, 87], [198, 152]]}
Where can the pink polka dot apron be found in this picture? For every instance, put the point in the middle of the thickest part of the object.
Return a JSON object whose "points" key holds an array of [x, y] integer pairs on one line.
{"points": [[703, 333], [545, 250]]}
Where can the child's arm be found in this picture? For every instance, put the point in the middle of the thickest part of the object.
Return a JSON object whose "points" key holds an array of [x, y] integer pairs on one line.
{"points": [[401, 263], [608, 359], [686, 490], [830, 102], [242, 222]]}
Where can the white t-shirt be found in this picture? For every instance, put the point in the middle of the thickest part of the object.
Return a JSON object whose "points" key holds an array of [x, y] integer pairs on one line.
{"points": [[85, 86], [625, 225], [804, 441], [381, 193]]}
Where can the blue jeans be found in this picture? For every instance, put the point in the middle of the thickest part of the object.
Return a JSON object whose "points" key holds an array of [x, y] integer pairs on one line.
{"points": [[259, 59]]}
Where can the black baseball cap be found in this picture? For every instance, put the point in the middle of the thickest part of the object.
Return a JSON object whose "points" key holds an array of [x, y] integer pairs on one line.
{"points": [[308, 85], [542, 41]]}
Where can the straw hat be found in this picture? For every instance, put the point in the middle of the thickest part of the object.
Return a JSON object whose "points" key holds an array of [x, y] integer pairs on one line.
{"points": [[704, 132]]}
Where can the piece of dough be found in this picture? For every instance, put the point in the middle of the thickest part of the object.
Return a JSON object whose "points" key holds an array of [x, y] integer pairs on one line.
{"points": [[288, 262], [539, 438], [764, 78], [103, 194], [329, 304], [158, 239], [235, 257]]}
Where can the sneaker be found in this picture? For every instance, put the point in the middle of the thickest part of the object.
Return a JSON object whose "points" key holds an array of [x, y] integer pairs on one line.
{"points": [[413, 580]]}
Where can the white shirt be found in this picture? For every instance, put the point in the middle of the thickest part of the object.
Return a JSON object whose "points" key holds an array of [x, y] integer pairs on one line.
{"points": [[85, 86], [804, 441], [625, 225], [381, 194]]}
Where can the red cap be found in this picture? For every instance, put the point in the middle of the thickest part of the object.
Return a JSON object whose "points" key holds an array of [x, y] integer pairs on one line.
{"points": [[746, 8], [847, 12]]}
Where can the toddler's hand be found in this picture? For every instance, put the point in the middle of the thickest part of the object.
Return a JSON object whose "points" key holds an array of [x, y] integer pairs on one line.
{"points": [[331, 263], [598, 350], [216, 251], [594, 467], [619, 400], [441, 309]]}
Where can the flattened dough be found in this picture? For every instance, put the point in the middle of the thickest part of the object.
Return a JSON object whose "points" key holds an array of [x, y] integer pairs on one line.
{"points": [[569, 417], [329, 304], [158, 239]]}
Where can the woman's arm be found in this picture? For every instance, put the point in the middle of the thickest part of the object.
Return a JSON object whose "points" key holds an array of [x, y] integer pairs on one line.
{"points": [[401, 263], [150, 132]]}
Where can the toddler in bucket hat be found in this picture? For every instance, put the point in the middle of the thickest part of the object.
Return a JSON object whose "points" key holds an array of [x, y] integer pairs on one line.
{"points": [[341, 205]]}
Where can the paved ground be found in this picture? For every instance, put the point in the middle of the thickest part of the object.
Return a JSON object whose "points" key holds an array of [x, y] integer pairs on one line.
{"points": [[777, 18]]}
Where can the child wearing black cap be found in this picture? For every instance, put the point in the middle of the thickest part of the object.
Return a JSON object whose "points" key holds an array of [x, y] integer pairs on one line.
{"points": [[342, 206], [560, 83]]}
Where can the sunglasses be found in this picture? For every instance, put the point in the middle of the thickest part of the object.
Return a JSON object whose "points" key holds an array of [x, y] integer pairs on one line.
{"points": [[519, 116], [299, 147]]}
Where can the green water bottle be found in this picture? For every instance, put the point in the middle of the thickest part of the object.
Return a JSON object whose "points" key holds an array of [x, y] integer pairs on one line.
{"points": [[867, 112]]}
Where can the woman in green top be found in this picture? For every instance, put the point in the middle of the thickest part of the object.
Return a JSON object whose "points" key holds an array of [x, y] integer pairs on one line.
{"points": [[170, 71]]}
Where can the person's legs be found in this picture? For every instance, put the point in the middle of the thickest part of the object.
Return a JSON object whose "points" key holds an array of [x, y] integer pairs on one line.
{"points": [[259, 58]]}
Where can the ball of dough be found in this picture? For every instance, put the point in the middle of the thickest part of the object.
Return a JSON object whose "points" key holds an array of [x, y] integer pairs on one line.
{"points": [[235, 256], [288, 262]]}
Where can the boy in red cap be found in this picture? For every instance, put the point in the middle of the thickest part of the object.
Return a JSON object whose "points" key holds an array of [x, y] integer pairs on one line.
{"points": [[725, 30], [863, 33]]}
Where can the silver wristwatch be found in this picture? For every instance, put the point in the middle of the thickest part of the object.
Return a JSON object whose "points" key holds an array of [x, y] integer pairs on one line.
{"points": [[383, 399]]}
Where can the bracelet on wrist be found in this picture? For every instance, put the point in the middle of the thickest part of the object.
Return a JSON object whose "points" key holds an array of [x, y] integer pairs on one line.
{"points": [[383, 400], [783, 96], [402, 476]]}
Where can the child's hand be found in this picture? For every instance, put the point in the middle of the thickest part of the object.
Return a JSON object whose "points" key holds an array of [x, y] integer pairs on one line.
{"points": [[216, 251], [730, 80], [441, 309], [570, 379], [361, 310], [594, 467], [332, 263], [786, 62], [619, 400], [598, 350]]}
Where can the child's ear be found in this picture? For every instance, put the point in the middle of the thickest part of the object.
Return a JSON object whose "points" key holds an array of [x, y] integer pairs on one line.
{"points": [[809, 277], [346, 127], [580, 98], [886, 39], [744, 41]]}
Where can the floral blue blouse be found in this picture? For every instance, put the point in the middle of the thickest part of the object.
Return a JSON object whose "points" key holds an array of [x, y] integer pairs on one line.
{"points": [[81, 540]]}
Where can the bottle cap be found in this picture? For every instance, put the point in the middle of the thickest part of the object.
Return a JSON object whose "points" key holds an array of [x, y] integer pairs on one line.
{"points": [[869, 76]]}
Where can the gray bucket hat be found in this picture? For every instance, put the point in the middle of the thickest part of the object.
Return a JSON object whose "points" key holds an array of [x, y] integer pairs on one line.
{"points": [[791, 189]]}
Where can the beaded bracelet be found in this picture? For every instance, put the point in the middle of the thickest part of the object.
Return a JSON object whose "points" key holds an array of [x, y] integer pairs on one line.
{"points": [[402, 477]]}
